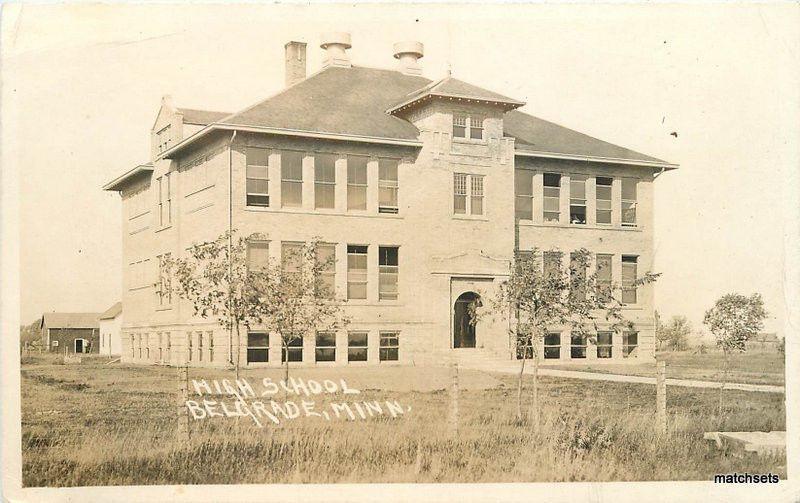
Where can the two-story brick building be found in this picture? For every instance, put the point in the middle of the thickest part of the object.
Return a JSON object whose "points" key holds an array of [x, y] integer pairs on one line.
{"points": [[422, 189]]}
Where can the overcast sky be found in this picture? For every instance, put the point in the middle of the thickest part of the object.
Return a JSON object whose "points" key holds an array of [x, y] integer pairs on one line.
{"points": [[82, 85]]}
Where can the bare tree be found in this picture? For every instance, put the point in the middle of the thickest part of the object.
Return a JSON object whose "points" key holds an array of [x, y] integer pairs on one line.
{"points": [[542, 293]]}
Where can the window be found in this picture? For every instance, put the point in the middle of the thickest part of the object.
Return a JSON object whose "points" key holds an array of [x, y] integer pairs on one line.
{"points": [[164, 285], [357, 346], [629, 202], [463, 205], [324, 181], [189, 338], [551, 263], [578, 346], [326, 258], [291, 260], [459, 193], [164, 188], [292, 351], [476, 201], [210, 336], [577, 200], [468, 126], [577, 273], [523, 189], [258, 256], [524, 346], [552, 346], [291, 178], [389, 346], [168, 345], [199, 346], [325, 350], [388, 186], [147, 348], [160, 347], [163, 139], [552, 197], [629, 342], [140, 346], [387, 272], [604, 344], [603, 276], [356, 272], [629, 279], [356, 182], [257, 347], [257, 176], [603, 190]]}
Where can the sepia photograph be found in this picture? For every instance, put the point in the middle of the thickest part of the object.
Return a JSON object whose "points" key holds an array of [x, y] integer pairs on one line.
{"points": [[400, 252]]}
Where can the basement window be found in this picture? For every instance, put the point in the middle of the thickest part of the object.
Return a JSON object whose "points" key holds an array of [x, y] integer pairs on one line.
{"points": [[604, 344], [357, 346], [578, 346], [325, 350], [630, 341], [389, 346], [552, 346], [293, 350], [257, 347]]}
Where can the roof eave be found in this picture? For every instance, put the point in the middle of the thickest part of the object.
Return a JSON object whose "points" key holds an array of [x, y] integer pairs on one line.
{"points": [[115, 184], [168, 154], [509, 103], [589, 158]]}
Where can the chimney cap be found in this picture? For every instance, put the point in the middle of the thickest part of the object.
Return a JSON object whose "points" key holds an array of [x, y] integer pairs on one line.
{"points": [[336, 38], [293, 42], [409, 47]]}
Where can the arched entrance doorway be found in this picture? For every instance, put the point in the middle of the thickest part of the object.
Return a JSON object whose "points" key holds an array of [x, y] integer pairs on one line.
{"points": [[463, 328]]}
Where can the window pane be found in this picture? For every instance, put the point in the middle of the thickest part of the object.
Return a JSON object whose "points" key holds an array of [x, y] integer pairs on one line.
{"points": [[477, 205], [628, 213], [523, 207], [257, 355], [257, 156], [291, 257], [326, 339], [257, 171], [476, 133], [257, 339], [577, 215], [551, 263], [387, 199], [523, 182], [356, 272], [357, 339], [628, 279], [356, 197], [604, 338], [257, 255], [387, 169], [629, 189], [257, 186], [324, 195], [291, 165], [552, 180], [292, 194], [357, 169], [357, 354], [324, 168], [257, 200], [460, 204], [552, 339], [552, 353], [577, 188]]}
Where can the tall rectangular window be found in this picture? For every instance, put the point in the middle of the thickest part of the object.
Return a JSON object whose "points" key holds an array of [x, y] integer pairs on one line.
{"points": [[604, 344], [257, 347], [210, 336], [552, 197], [630, 340], [357, 346], [326, 259], [577, 346], [389, 346], [603, 190], [199, 346], [476, 199], [356, 182], [603, 276], [293, 350], [291, 178], [189, 348], [324, 181], [577, 200], [629, 264], [258, 256], [459, 193], [168, 344], [552, 346], [291, 259], [577, 272], [388, 186], [164, 285], [523, 188], [356, 272], [257, 176], [629, 202], [325, 350], [164, 200], [551, 263], [388, 268]]}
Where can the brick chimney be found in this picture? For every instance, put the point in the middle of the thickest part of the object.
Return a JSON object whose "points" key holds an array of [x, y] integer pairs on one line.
{"points": [[295, 62], [336, 45]]}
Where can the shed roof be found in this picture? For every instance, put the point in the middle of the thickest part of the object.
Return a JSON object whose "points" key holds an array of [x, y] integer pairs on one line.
{"points": [[71, 320], [112, 312]]}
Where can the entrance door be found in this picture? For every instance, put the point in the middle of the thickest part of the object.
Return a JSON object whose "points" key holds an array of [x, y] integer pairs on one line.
{"points": [[79, 345], [463, 328]]}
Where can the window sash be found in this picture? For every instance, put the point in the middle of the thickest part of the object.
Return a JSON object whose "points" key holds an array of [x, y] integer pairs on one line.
{"points": [[578, 345], [630, 341], [291, 179], [357, 272], [257, 255], [389, 346], [388, 186], [476, 191], [326, 255], [552, 346], [325, 347], [523, 191], [628, 201], [629, 271]]}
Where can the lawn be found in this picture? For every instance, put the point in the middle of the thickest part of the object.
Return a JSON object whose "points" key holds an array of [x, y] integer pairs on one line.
{"points": [[752, 367], [96, 424]]}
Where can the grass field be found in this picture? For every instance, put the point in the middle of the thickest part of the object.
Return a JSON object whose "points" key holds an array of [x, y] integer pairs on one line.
{"points": [[96, 424], [753, 367]]}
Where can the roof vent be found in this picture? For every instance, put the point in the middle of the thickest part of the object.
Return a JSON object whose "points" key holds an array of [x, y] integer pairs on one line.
{"points": [[409, 54], [336, 45]]}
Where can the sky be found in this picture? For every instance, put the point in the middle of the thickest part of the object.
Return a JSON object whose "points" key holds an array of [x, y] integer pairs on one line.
{"points": [[714, 88]]}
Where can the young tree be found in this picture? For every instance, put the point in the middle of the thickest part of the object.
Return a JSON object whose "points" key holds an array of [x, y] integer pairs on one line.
{"points": [[215, 278], [301, 295], [733, 320], [675, 334], [542, 293]]}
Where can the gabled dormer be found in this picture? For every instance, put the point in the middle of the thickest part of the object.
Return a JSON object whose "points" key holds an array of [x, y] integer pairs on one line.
{"points": [[174, 124]]}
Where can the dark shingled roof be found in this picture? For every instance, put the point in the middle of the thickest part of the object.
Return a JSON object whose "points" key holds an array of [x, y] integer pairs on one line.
{"points": [[201, 117], [338, 100], [112, 312], [355, 101], [533, 133], [71, 320]]}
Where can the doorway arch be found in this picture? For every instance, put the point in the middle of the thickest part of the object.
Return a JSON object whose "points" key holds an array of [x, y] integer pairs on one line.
{"points": [[464, 333]]}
